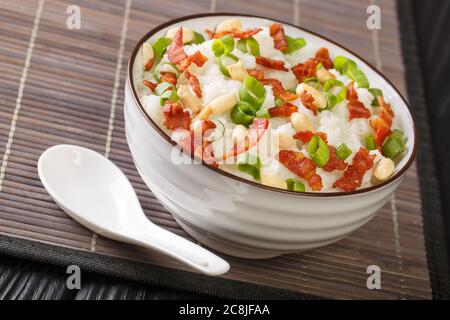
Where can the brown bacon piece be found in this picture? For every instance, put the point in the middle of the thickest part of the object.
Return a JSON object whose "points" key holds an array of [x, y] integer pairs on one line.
{"points": [[352, 179], [380, 135], [169, 77], [271, 63], [305, 70], [150, 85], [306, 136], [175, 117], [285, 110], [198, 58], [197, 145], [244, 34], [308, 101], [323, 57], [356, 108], [279, 38], [335, 163], [385, 115], [176, 52], [255, 73], [278, 89], [195, 84], [303, 167]]}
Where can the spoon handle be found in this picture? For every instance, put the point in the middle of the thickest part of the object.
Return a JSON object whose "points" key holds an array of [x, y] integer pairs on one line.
{"points": [[181, 249]]}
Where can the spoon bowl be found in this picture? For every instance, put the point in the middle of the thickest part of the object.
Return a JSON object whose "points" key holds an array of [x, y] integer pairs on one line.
{"points": [[95, 192]]}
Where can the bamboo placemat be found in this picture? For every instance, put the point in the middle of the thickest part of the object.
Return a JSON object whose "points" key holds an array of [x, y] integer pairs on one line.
{"points": [[66, 86]]}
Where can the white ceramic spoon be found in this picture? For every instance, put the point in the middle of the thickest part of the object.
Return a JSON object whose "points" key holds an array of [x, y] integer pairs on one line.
{"points": [[94, 191]]}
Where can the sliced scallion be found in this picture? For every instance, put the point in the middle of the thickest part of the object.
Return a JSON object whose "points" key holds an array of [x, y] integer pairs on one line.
{"points": [[162, 87], [376, 93], [223, 45], [248, 45], [243, 113], [393, 146], [160, 46], [198, 38], [250, 164], [370, 142], [168, 95], [295, 185], [226, 60], [343, 151], [253, 92], [313, 82], [294, 44], [350, 69], [318, 151]]}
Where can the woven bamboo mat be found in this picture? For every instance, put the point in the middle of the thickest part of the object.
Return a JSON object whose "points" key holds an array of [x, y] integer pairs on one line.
{"points": [[66, 86]]}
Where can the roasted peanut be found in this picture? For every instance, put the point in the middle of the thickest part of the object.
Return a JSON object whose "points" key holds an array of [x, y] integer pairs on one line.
{"points": [[188, 99], [384, 169], [228, 25], [300, 122], [188, 34], [223, 103], [147, 56]]}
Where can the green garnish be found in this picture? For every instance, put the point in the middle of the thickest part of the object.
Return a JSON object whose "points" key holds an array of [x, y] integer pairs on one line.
{"points": [[248, 45], [160, 46], [295, 185], [253, 92], [370, 142], [376, 93], [343, 151], [223, 45], [243, 113], [394, 144], [294, 44], [318, 151], [350, 69], [250, 164], [226, 60], [198, 38]]}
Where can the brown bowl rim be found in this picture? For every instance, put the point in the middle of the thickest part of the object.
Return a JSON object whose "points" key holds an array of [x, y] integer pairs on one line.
{"points": [[130, 83]]}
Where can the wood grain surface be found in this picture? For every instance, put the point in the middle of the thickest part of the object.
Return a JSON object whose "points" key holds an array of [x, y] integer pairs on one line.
{"points": [[66, 86]]}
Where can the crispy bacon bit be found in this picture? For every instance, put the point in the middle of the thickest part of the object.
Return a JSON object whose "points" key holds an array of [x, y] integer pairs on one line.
{"points": [[335, 163], [353, 175], [305, 70], [278, 89], [169, 77], [150, 85], [244, 34], [308, 101], [385, 115], [176, 52], [356, 108], [198, 58], [380, 135], [255, 73], [197, 145], [306, 136], [175, 117], [210, 33], [323, 56], [279, 38], [195, 84], [285, 110], [255, 133], [303, 167], [271, 63]]}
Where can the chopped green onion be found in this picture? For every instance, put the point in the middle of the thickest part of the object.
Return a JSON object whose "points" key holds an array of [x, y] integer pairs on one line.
{"points": [[253, 92], [393, 146], [160, 46], [243, 113], [250, 164], [358, 76], [397, 133], [341, 64], [376, 93], [348, 67], [248, 45], [162, 87], [168, 95], [329, 89], [294, 44], [263, 114], [226, 60], [198, 38], [343, 151], [279, 102], [223, 45], [332, 100], [318, 151], [313, 82], [370, 142], [295, 185]]}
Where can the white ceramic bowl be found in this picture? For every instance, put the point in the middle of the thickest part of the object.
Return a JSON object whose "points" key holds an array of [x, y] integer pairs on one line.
{"points": [[237, 216]]}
